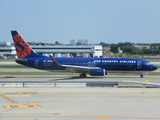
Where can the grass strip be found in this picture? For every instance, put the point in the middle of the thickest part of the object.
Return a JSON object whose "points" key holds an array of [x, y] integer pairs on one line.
{"points": [[13, 66], [69, 73], [35, 73]]}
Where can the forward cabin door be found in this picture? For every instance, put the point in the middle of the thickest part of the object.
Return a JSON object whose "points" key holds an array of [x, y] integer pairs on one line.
{"points": [[36, 63]]}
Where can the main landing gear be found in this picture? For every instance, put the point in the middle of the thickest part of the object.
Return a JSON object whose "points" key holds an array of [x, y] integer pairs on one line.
{"points": [[141, 76], [82, 75]]}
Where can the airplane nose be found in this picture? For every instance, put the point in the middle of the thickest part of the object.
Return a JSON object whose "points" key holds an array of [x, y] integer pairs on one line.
{"points": [[154, 67]]}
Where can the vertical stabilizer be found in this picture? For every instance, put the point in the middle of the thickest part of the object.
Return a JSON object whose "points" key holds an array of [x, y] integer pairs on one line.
{"points": [[22, 48]]}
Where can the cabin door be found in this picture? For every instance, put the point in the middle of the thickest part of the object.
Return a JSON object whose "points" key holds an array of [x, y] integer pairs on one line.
{"points": [[36, 63], [138, 64]]}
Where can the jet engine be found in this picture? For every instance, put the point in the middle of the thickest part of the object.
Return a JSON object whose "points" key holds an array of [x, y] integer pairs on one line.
{"points": [[97, 72]]}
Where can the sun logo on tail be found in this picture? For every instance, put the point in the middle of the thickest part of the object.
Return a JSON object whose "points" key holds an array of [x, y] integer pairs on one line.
{"points": [[22, 48]]}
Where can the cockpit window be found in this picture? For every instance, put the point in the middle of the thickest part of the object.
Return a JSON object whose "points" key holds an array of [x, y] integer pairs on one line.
{"points": [[148, 63]]}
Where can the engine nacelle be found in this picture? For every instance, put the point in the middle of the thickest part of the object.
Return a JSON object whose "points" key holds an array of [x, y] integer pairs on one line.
{"points": [[97, 72]]}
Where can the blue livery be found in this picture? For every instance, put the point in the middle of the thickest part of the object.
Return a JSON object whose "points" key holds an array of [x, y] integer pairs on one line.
{"points": [[92, 66]]}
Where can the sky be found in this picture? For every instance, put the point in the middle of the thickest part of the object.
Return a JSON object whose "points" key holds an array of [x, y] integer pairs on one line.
{"points": [[109, 21]]}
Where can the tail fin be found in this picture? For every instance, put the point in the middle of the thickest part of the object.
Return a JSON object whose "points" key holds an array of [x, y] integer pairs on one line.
{"points": [[22, 48]]}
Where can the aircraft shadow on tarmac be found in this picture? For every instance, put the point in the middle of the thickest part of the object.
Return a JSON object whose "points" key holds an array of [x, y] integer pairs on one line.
{"points": [[65, 78], [110, 77]]}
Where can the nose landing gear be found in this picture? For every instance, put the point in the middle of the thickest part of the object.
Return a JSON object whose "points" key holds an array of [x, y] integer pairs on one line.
{"points": [[141, 76]]}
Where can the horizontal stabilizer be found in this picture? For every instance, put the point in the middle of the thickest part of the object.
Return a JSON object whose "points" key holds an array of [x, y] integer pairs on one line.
{"points": [[21, 60]]}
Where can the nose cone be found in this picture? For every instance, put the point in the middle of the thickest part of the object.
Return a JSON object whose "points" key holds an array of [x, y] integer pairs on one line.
{"points": [[154, 67]]}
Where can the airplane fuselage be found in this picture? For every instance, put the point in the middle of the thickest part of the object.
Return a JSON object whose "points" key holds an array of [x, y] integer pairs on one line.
{"points": [[109, 64]]}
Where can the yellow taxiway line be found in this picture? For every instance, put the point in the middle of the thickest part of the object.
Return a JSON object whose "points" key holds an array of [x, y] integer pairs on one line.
{"points": [[9, 99], [16, 105]]}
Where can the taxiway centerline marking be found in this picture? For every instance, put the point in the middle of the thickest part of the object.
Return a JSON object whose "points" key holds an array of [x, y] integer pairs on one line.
{"points": [[7, 98]]}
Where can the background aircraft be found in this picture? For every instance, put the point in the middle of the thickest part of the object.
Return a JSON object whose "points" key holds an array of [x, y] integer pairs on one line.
{"points": [[92, 66]]}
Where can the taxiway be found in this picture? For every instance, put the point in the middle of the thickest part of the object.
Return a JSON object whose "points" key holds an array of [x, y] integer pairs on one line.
{"points": [[75, 103]]}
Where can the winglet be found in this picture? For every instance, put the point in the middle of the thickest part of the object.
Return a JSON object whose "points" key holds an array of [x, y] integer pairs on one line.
{"points": [[54, 61], [71, 56]]}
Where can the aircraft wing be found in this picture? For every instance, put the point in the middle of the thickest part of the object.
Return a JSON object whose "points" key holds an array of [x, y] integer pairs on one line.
{"points": [[144, 83], [79, 68], [74, 67]]}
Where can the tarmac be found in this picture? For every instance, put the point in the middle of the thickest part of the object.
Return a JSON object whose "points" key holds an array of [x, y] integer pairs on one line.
{"points": [[78, 102]]}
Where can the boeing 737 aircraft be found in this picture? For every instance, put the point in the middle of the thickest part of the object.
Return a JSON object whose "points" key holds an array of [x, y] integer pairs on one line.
{"points": [[92, 66]]}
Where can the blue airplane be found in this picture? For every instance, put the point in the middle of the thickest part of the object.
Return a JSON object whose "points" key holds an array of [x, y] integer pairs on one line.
{"points": [[92, 66]]}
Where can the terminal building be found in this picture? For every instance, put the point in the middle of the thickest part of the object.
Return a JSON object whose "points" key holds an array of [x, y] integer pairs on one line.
{"points": [[58, 51]]}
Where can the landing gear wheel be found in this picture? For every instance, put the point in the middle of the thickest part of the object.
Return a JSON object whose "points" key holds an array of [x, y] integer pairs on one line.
{"points": [[141, 76], [82, 75]]}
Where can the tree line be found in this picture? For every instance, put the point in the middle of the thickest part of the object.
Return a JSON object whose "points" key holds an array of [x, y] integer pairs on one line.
{"points": [[130, 48]]}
